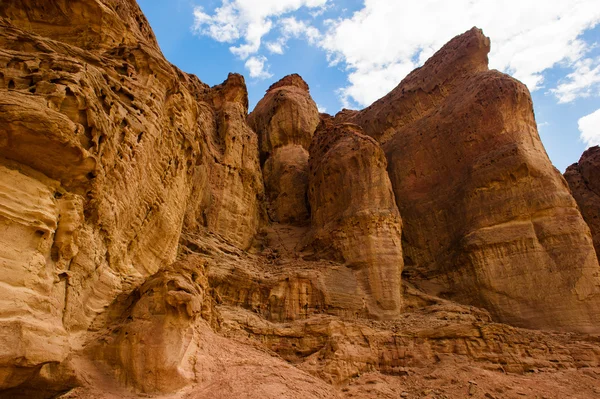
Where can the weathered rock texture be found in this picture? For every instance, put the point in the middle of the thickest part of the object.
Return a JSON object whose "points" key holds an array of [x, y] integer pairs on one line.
{"points": [[354, 216], [136, 257], [584, 180], [488, 220], [108, 153], [285, 121]]}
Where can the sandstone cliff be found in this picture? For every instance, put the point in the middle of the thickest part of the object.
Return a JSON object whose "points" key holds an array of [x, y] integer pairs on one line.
{"points": [[157, 241], [108, 154], [488, 220], [354, 216], [584, 180]]}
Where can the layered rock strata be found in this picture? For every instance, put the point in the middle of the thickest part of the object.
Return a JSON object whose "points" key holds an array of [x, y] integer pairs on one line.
{"points": [[584, 180], [354, 218], [107, 153], [487, 219], [285, 121], [137, 260]]}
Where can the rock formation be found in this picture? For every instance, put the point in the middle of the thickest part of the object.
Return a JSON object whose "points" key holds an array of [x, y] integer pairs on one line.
{"points": [[584, 180], [108, 153], [354, 216], [488, 220], [138, 260], [285, 120]]}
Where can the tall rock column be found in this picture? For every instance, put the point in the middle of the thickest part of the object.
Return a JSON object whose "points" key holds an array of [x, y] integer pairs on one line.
{"points": [[234, 210], [285, 120], [584, 180], [354, 216]]}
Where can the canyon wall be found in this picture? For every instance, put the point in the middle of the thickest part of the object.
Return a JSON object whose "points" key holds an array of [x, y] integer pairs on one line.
{"points": [[108, 154], [156, 240], [584, 180], [488, 220]]}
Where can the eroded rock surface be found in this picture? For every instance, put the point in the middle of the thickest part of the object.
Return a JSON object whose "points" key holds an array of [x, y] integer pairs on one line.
{"points": [[108, 153], [584, 180], [354, 218], [137, 259], [487, 219], [285, 121]]}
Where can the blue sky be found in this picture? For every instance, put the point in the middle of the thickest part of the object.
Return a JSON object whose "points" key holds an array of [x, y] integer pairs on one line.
{"points": [[352, 52]]}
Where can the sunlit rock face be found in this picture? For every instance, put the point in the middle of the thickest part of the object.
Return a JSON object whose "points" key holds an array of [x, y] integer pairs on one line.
{"points": [[354, 215], [107, 154], [285, 121], [156, 240]]}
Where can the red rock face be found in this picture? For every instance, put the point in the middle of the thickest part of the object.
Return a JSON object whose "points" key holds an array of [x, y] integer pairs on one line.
{"points": [[136, 259], [488, 220], [354, 216], [424, 89], [584, 180]]}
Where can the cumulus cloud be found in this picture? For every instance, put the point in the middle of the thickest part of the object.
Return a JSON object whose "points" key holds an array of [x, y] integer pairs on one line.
{"points": [[382, 41], [379, 44], [321, 108], [368, 85], [589, 126], [276, 47], [247, 21], [257, 67], [289, 28], [584, 81]]}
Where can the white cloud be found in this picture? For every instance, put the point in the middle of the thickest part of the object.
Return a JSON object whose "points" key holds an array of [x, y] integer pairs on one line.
{"points": [[222, 27], [276, 47], [366, 85], [321, 108], [292, 28], [379, 42], [249, 21], [257, 68], [584, 81], [589, 126], [246, 20]]}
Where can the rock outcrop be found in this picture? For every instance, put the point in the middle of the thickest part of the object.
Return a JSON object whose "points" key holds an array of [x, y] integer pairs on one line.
{"points": [[152, 332], [584, 180], [137, 258], [285, 121], [488, 220], [354, 218], [107, 153]]}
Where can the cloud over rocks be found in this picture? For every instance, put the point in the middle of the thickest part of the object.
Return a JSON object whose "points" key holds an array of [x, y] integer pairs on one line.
{"points": [[584, 81], [257, 68], [248, 21], [379, 43], [589, 126], [384, 40]]}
